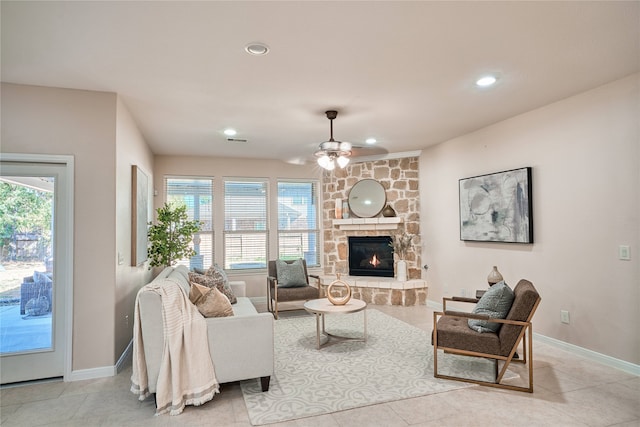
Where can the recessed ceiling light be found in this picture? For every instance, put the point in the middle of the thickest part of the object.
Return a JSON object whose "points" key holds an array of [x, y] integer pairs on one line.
{"points": [[486, 81], [257, 49], [371, 141], [230, 132]]}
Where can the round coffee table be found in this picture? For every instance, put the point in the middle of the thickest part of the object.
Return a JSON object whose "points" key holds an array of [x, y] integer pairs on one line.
{"points": [[321, 307]]}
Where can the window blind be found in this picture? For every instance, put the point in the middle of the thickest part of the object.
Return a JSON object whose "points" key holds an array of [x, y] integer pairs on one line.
{"points": [[197, 195], [298, 221], [246, 227]]}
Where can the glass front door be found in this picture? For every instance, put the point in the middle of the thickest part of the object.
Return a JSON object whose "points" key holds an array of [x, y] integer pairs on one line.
{"points": [[31, 295]]}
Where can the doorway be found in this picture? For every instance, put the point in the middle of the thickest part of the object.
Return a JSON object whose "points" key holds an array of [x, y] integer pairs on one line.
{"points": [[35, 270]]}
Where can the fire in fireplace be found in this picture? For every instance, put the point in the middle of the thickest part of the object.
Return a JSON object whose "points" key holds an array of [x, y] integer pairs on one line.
{"points": [[370, 256]]}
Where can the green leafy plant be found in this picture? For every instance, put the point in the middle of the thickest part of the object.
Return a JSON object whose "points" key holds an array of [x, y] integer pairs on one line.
{"points": [[401, 243], [169, 239]]}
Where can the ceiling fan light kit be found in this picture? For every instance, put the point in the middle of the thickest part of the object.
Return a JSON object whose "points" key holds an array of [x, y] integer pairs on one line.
{"points": [[333, 152]]}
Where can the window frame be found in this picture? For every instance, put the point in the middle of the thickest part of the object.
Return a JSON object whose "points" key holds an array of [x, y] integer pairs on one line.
{"points": [[226, 262], [308, 231], [212, 232]]}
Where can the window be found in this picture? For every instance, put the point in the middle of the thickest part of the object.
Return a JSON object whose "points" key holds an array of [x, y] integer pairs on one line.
{"points": [[197, 194], [298, 221], [246, 230]]}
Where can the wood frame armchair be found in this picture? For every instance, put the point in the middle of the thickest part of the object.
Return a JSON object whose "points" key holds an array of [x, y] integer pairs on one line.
{"points": [[452, 334], [276, 295]]}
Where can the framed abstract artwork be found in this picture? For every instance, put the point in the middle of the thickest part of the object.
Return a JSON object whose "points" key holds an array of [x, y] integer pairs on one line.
{"points": [[139, 215], [497, 207]]}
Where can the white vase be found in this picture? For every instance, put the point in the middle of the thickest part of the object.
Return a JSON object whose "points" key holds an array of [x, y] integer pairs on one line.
{"points": [[338, 209], [401, 271]]}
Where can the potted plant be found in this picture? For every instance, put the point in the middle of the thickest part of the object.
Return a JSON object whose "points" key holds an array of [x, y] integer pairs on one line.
{"points": [[169, 239], [401, 243]]}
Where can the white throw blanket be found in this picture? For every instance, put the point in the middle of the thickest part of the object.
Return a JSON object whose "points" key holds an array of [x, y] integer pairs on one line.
{"points": [[186, 376]]}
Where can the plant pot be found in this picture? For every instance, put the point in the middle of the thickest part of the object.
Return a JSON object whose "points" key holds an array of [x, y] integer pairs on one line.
{"points": [[401, 271]]}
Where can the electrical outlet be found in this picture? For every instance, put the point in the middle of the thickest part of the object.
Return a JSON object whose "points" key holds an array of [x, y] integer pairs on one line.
{"points": [[624, 253], [564, 316], [126, 320], [463, 292]]}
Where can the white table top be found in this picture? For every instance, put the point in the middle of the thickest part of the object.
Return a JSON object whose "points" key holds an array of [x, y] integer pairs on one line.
{"points": [[324, 306]]}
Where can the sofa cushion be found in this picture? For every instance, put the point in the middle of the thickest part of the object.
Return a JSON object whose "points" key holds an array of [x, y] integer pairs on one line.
{"points": [[244, 307], [495, 303], [290, 275], [212, 282], [220, 276], [210, 301]]}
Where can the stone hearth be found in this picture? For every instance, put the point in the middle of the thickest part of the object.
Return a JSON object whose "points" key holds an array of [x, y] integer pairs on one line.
{"points": [[382, 290]]}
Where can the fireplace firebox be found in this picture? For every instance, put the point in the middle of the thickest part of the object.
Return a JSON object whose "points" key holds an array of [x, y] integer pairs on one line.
{"points": [[370, 256]]}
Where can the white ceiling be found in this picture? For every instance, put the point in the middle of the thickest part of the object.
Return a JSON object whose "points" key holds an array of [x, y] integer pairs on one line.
{"points": [[402, 72]]}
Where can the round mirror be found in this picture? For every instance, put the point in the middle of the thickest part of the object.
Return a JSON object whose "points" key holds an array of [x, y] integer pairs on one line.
{"points": [[367, 198]]}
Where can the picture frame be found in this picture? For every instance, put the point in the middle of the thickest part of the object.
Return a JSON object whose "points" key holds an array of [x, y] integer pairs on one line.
{"points": [[139, 215], [497, 207]]}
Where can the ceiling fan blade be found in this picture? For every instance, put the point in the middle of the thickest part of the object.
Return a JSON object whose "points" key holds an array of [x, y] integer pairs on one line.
{"points": [[359, 150]]}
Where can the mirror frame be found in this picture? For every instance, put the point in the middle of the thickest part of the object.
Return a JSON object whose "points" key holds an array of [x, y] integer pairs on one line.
{"points": [[375, 194]]}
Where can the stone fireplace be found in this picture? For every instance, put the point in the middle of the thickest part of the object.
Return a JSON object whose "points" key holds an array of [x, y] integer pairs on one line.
{"points": [[399, 177]]}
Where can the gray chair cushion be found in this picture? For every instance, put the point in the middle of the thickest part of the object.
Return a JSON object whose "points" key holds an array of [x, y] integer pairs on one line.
{"points": [[297, 294], [495, 303], [291, 275], [454, 332]]}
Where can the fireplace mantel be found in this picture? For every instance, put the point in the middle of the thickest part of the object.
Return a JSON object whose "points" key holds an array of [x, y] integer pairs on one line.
{"points": [[384, 223]]}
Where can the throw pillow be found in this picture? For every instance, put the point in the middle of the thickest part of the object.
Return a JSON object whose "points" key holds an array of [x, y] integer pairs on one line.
{"points": [[210, 301], [495, 303], [290, 275], [220, 276], [210, 282]]}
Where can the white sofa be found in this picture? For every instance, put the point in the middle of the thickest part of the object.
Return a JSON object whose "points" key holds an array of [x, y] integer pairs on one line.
{"points": [[241, 346]]}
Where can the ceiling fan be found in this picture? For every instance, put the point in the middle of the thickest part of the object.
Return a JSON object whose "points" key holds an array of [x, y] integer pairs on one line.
{"points": [[331, 153]]}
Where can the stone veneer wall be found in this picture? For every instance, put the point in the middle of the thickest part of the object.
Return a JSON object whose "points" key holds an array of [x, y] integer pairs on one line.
{"points": [[399, 177]]}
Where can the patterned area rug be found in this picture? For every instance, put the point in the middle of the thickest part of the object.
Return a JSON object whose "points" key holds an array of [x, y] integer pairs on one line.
{"points": [[396, 362]]}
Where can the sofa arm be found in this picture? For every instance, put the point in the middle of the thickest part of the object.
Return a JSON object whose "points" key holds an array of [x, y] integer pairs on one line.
{"points": [[242, 346], [150, 306]]}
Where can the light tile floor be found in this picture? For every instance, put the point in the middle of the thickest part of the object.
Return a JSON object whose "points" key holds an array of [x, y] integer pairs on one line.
{"points": [[569, 391]]}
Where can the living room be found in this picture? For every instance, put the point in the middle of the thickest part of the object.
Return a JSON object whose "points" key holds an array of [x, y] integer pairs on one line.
{"points": [[582, 147]]}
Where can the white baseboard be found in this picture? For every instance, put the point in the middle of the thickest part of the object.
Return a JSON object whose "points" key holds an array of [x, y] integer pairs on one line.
{"points": [[104, 371], [123, 358], [574, 349], [590, 354], [91, 374]]}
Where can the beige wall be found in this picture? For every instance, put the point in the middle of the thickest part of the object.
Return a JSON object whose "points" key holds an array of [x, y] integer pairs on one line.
{"points": [[585, 156], [131, 149], [226, 167], [41, 120], [97, 129]]}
